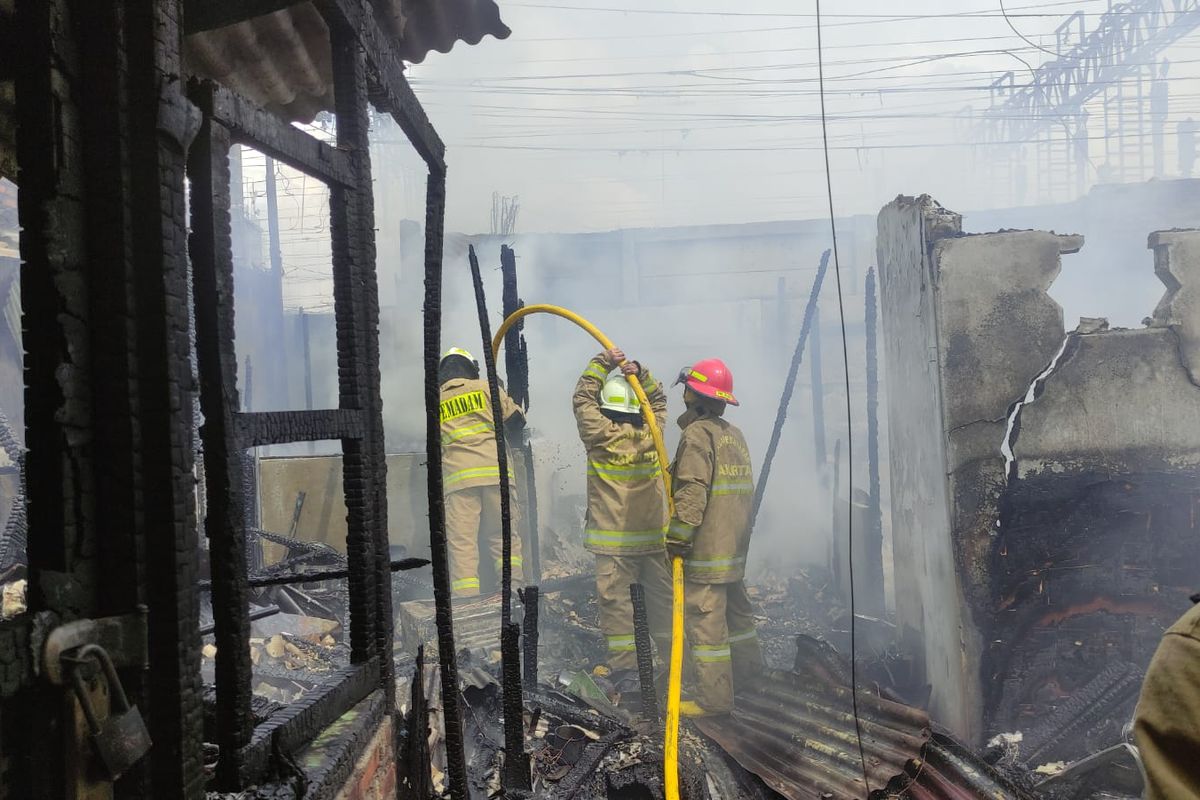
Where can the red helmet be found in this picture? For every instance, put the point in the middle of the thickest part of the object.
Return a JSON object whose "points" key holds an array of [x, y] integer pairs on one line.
{"points": [[711, 378]]}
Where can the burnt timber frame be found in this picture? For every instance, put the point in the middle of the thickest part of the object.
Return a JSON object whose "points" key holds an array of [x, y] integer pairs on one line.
{"points": [[365, 70], [107, 132]]}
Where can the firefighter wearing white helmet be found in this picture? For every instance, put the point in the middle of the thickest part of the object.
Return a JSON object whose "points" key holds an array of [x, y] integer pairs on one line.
{"points": [[470, 473], [626, 511]]}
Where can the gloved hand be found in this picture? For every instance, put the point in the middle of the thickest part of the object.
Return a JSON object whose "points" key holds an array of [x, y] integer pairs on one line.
{"points": [[678, 549]]}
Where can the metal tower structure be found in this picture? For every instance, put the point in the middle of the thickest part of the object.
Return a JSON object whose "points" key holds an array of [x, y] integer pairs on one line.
{"points": [[1117, 63]]}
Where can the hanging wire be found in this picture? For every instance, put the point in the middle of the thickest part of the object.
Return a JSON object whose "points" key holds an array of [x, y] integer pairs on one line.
{"points": [[837, 272]]}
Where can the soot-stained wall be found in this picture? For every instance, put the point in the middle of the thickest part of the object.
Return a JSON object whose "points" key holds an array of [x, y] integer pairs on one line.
{"points": [[1020, 456]]}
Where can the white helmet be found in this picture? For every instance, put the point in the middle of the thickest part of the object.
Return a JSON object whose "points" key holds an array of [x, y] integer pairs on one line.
{"points": [[461, 353], [618, 395]]}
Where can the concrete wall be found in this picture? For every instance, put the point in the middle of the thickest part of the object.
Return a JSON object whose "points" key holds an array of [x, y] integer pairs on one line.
{"points": [[929, 612], [978, 362]]}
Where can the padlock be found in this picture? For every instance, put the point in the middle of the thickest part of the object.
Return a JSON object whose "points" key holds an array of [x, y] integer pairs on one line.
{"points": [[121, 740]]}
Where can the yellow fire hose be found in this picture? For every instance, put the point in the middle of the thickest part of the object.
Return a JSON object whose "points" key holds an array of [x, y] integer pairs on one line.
{"points": [[671, 738]]}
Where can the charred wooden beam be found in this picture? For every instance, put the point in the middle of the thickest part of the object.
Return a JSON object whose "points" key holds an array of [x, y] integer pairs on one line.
{"points": [[789, 386], [645, 656], [210, 247], [516, 366], [435, 216], [352, 238], [516, 777], [258, 428], [390, 91], [516, 760], [413, 765], [252, 125], [529, 629], [297, 724], [489, 362]]}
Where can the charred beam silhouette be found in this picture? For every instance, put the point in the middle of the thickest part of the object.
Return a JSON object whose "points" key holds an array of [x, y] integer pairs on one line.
{"points": [[456, 762], [510, 674], [789, 386], [529, 599], [645, 659], [516, 366]]}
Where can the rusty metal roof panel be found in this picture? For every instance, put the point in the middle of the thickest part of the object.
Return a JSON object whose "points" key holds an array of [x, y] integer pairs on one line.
{"points": [[796, 731]]}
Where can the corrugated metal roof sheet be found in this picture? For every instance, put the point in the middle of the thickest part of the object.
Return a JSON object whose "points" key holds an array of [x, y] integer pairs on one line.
{"points": [[796, 731], [282, 60], [424, 25]]}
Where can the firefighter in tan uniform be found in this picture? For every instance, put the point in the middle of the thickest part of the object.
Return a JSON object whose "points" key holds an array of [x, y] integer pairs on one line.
{"points": [[470, 474], [713, 488], [626, 512], [1167, 722]]}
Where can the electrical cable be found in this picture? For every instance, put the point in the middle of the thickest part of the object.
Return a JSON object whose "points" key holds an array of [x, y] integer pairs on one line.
{"points": [[837, 272], [1029, 41]]}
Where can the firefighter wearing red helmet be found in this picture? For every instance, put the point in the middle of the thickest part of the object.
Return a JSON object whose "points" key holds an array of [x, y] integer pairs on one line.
{"points": [[713, 488]]}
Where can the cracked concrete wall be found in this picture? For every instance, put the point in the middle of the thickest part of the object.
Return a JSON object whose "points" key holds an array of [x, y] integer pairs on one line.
{"points": [[1119, 401], [951, 305], [1114, 418], [1177, 264]]}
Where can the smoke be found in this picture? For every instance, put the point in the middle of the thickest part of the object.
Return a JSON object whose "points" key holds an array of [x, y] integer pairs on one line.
{"points": [[665, 311]]}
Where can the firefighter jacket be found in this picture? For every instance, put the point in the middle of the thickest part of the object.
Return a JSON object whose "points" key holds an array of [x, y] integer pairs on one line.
{"points": [[713, 488], [626, 513], [469, 434], [1164, 724]]}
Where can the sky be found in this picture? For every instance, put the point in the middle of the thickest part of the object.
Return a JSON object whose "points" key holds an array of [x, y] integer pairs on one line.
{"points": [[605, 114]]}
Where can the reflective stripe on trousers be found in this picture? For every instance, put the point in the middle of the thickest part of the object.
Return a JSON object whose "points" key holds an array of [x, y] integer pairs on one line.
{"points": [[631, 539]]}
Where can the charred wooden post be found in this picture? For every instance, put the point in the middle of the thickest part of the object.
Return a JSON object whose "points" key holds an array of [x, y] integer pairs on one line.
{"points": [[510, 656], [414, 766], [212, 288], [516, 358], [516, 761], [493, 380], [789, 386], [529, 599], [645, 658], [364, 469], [516, 365], [435, 212]]}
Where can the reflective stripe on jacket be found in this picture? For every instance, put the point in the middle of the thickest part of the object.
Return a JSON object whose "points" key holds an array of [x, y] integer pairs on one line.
{"points": [[469, 434], [713, 486], [626, 512]]}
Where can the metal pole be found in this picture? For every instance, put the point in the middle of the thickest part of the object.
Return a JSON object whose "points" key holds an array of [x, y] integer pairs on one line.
{"points": [[873, 542], [788, 386], [510, 671], [818, 392]]}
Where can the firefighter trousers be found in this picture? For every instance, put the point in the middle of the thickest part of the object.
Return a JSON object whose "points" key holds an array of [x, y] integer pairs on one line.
{"points": [[470, 512], [614, 574], [719, 623]]}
